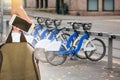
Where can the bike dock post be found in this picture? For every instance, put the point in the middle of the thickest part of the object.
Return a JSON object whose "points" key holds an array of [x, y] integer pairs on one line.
{"points": [[110, 48], [110, 55]]}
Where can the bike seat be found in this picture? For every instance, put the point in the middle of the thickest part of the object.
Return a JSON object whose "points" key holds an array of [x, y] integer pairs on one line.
{"points": [[51, 29]]}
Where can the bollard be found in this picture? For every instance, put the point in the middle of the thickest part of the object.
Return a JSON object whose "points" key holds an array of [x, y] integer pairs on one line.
{"points": [[110, 55]]}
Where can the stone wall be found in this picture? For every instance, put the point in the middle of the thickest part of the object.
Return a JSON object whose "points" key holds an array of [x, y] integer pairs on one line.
{"points": [[31, 3], [79, 7], [51, 3]]}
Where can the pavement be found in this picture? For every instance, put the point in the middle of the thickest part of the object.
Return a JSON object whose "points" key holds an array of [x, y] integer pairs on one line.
{"points": [[83, 69], [79, 70]]}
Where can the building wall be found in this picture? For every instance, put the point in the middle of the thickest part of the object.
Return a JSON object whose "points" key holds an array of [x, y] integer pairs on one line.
{"points": [[51, 4], [79, 7], [117, 7], [31, 3]]}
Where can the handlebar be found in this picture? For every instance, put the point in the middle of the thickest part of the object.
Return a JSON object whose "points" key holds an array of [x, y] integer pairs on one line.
{"points": [[40, 20], [48, 21], [56, 22], [77, 25]]}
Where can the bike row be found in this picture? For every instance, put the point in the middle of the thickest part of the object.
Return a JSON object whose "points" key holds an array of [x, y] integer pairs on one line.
{"points": [[53, 45]]}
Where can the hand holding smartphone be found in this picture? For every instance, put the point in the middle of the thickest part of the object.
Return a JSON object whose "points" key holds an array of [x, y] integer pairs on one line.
{"points": [[21, 24]]}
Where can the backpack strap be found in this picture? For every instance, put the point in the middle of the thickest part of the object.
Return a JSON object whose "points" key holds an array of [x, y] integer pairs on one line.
{"points": [[9, 38], [1, 59]]}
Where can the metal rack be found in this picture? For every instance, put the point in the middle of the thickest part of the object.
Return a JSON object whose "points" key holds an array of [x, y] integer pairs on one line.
{"points": [[110, 38]]}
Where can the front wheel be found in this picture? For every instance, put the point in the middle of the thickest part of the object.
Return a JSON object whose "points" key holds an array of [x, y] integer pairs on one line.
{"points": [[98, 53], [54, 58]]}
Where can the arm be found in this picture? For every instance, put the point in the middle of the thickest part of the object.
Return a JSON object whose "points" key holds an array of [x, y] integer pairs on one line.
{"points": [[18, 10]]}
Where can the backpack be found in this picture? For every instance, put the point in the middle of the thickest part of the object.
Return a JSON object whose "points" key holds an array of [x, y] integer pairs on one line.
{"points": [[17, 61]]}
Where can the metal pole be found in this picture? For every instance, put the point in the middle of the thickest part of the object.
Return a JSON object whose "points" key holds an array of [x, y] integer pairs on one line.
{"points": [[1, 23], [110, 56]]}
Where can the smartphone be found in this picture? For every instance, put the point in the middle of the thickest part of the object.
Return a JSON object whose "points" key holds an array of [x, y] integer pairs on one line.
{"points": [[21, 23]]}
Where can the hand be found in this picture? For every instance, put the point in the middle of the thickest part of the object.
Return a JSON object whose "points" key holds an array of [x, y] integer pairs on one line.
{"points": [[16, 29]]}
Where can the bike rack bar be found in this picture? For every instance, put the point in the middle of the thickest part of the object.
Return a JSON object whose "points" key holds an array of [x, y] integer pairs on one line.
{"points": [[110, 48], [101, 34]]}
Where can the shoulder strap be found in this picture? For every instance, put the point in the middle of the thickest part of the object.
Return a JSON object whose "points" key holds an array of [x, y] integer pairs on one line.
{"points": [[9, 38], [1, 59]]}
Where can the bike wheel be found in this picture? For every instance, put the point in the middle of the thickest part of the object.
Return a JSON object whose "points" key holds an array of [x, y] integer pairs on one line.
{"points": [[40, 55], [99, 52], [55, 59], [81, 53]]}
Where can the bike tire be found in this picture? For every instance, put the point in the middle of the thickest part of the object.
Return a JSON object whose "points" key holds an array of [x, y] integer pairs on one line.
{"points": [[100, 51], [55, 58]]}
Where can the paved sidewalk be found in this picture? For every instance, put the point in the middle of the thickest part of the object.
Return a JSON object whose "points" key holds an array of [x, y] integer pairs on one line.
{"points": [[79, 70]]}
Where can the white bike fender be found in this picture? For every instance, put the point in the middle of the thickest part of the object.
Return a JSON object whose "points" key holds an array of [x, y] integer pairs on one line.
{"points": [[84, 47], [53, 46], [42, 43]]}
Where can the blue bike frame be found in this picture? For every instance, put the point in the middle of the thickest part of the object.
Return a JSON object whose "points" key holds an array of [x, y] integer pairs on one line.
{"points": [[71, 50], [43, 35], [70, 39], [37, 29], [52, 34]]}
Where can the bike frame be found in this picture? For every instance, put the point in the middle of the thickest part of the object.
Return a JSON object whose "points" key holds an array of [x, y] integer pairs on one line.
{"points": [[37, 29], [71, 50], [39, 36]]}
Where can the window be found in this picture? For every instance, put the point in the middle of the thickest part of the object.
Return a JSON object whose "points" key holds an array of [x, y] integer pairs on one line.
{"points": [[46, 3], [92, 5], [108, 5]]}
